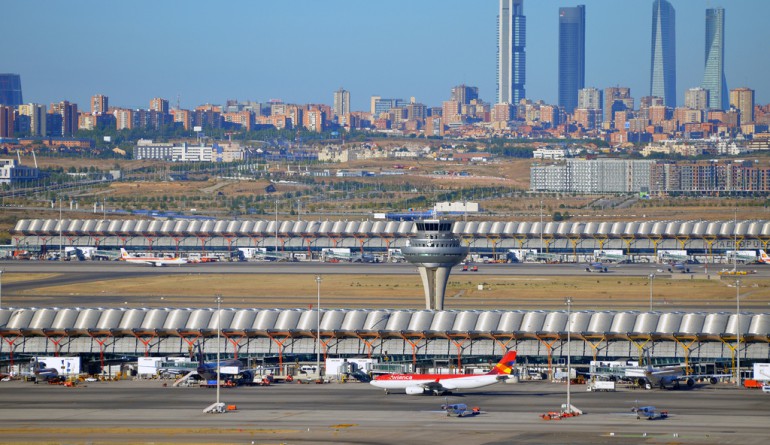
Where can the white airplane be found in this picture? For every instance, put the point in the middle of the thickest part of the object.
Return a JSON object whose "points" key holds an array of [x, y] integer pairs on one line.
{"points": [[152, 261], [667, 376], [441, 384], [763, 257]]}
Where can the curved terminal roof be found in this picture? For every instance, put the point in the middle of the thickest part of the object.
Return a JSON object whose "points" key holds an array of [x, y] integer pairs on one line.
{"points": [[265, 228], [383, 323]]}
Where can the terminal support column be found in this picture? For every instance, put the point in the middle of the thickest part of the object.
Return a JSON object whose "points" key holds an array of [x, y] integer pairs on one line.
{"points": [[686, 349]]}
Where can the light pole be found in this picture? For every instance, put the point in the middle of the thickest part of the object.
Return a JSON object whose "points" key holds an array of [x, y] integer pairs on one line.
{"points": [[61, 245], [652, 281], [568, 301], [541, 227], [318, 327], [218, 298], [1, 288], [276, 228], [738, 333]]}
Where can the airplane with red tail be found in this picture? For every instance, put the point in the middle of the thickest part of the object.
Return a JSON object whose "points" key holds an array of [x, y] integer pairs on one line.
{"points": [[441, 384]]}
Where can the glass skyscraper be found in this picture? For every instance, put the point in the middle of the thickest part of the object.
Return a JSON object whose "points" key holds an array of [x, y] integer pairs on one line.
{"points": [[511, 55], [714, 74], [10, 90], [663, 53], [572, 56]]}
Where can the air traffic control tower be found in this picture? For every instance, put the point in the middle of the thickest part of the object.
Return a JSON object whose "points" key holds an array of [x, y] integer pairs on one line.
{"points": [[434, 250]]}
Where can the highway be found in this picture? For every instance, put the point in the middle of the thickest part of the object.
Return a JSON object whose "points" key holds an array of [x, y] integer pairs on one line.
{"points": [[355, 413]]}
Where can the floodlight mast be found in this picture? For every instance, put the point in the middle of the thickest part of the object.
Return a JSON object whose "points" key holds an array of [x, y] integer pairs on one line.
{"points": [[568, 302], [218, 298], [318, 327]]}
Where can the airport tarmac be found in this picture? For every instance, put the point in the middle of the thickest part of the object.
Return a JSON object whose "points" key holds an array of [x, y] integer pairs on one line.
{"points": [[114, 269], [145, 411]]}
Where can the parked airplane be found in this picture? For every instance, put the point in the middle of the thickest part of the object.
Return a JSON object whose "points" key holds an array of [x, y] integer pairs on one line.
{"points": [[441, 384], [152, 261], [667, 376], [43, 373], [763, 257], [208, 371]]}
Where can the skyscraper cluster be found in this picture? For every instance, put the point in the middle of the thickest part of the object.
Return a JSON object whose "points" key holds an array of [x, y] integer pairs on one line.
{"points": [[511, 55]]}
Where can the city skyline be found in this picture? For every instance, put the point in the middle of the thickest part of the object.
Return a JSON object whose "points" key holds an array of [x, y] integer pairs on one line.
{"points": [[261, 51]]}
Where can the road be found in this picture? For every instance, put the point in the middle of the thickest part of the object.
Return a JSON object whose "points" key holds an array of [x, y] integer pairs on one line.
{"points": [[356, 413]]}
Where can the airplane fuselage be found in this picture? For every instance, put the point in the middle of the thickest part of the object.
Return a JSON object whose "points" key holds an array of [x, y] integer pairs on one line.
{"points": [[447, 381], [157, 261]]}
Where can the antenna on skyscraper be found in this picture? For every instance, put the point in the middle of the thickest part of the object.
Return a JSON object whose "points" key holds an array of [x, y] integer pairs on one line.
{"points": [[178, 99]]}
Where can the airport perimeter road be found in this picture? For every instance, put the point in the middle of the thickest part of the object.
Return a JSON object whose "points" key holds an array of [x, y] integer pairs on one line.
{"points": [[113, 269], [356, 413]]}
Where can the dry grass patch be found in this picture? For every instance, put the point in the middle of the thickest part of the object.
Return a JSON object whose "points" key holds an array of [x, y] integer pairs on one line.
{"points": [[402, 291]]}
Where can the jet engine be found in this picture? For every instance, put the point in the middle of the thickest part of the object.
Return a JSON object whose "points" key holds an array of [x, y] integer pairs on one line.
{"points": [[416, 390]]}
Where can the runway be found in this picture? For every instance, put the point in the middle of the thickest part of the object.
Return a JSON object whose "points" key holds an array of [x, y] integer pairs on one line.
{"points": [[119, 268], [356, 413], [76, 281]]}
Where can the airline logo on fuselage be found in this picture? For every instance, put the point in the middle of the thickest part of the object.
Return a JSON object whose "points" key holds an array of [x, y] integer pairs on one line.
{"points": [[397, 377]]}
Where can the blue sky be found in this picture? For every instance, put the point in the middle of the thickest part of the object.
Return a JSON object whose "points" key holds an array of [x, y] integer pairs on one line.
{"points": [[303, 50]]}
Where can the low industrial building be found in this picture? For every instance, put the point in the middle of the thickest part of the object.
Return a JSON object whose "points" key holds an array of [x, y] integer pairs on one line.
{"points": [[12, 172]]}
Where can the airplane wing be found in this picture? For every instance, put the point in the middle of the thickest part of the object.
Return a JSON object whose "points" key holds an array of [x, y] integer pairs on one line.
{"points": [[711, 377], [435, 387]]}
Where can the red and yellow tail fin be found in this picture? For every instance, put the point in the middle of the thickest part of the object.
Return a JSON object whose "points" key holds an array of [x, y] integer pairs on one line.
{"points": [[505, 365]]}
